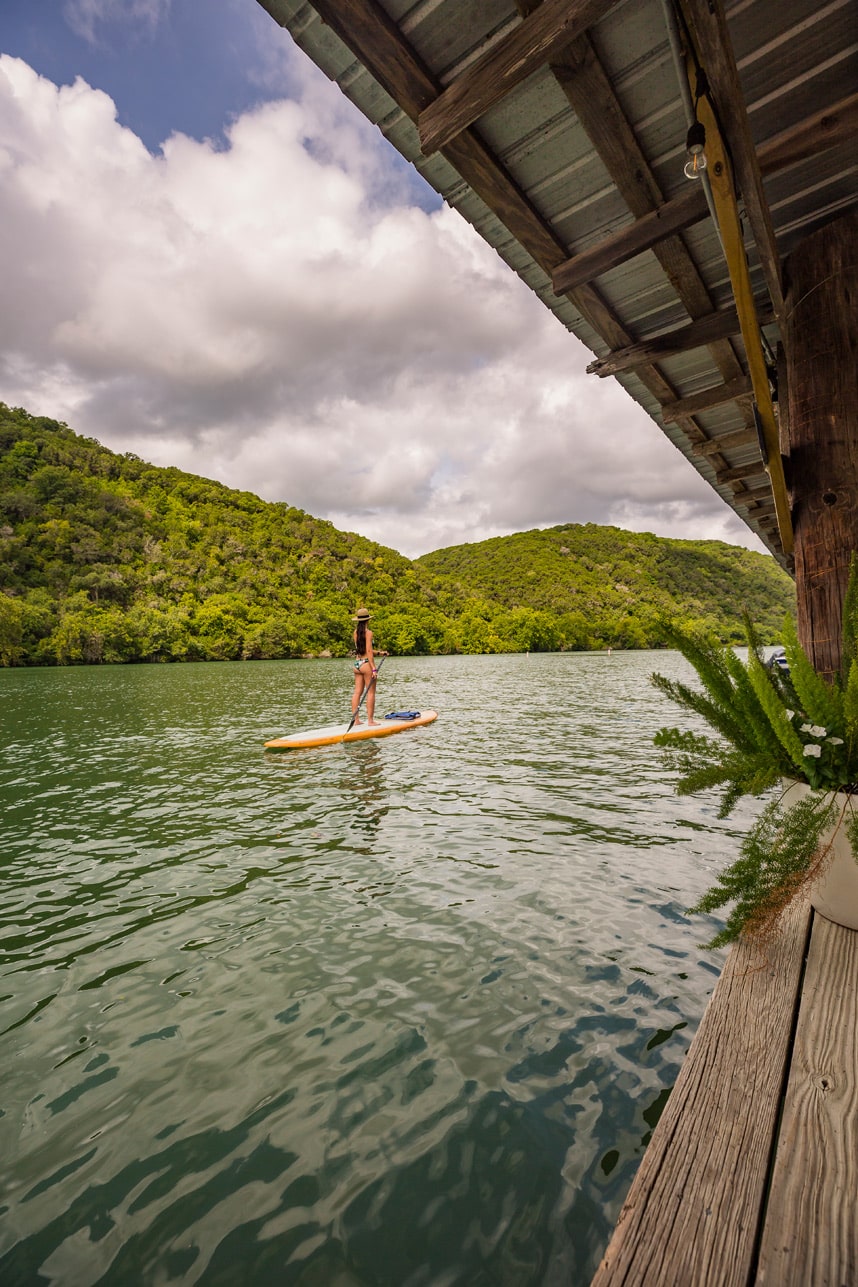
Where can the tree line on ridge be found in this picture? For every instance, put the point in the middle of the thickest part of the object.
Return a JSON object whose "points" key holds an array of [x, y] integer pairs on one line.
{"points": [[105, 558]]}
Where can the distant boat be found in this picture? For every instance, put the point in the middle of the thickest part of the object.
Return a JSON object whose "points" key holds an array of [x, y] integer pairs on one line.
{"points": [[778, 659]]}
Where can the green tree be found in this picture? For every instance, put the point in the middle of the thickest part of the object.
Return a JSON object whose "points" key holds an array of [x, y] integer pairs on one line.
{"points": [[218, 627], [532, 631], [11, 631]]}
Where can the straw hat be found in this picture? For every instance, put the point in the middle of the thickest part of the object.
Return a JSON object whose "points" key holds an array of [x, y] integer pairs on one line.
{"points": [[362, 615]]}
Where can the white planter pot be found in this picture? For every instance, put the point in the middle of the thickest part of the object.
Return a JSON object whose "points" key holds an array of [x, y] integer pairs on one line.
{"points": [[835, 893]]}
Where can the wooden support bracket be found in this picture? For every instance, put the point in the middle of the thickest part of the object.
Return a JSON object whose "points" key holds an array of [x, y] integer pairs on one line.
{"points": [[716, 326], [709, 398]]}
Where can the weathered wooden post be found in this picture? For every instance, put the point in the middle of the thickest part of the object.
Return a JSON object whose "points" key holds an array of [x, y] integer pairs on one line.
{"points": [[821, 347]]}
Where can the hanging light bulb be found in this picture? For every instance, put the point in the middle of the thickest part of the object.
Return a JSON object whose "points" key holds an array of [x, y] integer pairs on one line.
{"points": [[695, 143]]}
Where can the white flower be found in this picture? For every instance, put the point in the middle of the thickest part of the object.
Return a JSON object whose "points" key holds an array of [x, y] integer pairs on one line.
{"points": [[814, 730], [789, 714], [813, 750], [835, 741]]}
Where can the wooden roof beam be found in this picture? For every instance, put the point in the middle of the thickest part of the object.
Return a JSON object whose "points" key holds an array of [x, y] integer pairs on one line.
{"points": [[588, 87], [719, 325], [826, 129], [375, 40], [709, 398], [756, 509], [715, 446], [528, 47], [743, 473], [583, 79], [683, 211], [715, 51]]}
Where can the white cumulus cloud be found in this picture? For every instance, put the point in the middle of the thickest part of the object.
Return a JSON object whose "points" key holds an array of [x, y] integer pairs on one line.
{"points": [[88, 17], [278, 313]]}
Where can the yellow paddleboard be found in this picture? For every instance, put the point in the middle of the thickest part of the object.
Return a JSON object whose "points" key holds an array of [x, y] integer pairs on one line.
{"points": [[337, 732]]}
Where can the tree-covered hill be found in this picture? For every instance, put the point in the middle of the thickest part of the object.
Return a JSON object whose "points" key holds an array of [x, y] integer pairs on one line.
{"points": [[104, 557], [617, 583]]}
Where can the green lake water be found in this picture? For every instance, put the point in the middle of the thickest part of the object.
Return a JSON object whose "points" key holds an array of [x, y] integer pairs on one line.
{"points": [[396, 1013]]}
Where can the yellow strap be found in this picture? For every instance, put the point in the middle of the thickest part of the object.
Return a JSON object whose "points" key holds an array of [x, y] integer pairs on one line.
{"points": [[724, 195]]}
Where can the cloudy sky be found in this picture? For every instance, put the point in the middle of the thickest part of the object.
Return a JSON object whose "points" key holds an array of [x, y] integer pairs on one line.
{"points": [[209, 258]]}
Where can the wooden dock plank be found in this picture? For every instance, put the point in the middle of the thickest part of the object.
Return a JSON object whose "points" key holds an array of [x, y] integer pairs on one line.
{"points": [[692, 1214], [811, 1229]]}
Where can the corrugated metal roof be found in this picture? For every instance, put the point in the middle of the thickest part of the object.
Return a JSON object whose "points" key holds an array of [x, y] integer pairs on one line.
{"points": [[795, 59]]}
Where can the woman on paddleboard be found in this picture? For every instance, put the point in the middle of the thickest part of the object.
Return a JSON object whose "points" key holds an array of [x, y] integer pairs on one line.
{"points": [[366, 670]]}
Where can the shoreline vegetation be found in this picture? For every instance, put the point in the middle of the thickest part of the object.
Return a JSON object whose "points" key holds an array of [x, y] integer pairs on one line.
{"points": [[105, 558]]}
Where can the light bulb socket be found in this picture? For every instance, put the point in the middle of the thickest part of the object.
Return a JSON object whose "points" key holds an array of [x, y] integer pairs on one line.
{"points": [[695, 140]]}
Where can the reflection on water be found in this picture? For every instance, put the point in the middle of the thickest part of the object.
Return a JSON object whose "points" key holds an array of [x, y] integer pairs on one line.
{"points": [[365, 781], [398, 1012]]}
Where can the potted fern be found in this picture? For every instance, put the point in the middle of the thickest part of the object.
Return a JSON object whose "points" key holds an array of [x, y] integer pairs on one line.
{"points": [[789, 733]]}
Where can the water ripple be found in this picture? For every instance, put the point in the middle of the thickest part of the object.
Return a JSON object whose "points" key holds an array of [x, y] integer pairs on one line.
{"points": [[400, 1012]]}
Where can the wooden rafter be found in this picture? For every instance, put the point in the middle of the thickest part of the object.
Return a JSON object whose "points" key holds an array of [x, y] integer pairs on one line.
{"points": [[715, 52], [528, 47], [825, 129], [670, 217], [717, 397], [706, 330], [758, 509], [745, 473], [588, 88], [366, 29], [372, 36], [727, 442]]}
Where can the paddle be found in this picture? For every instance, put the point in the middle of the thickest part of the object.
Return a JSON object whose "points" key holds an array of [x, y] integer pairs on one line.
{"points": [[364, 693]]}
